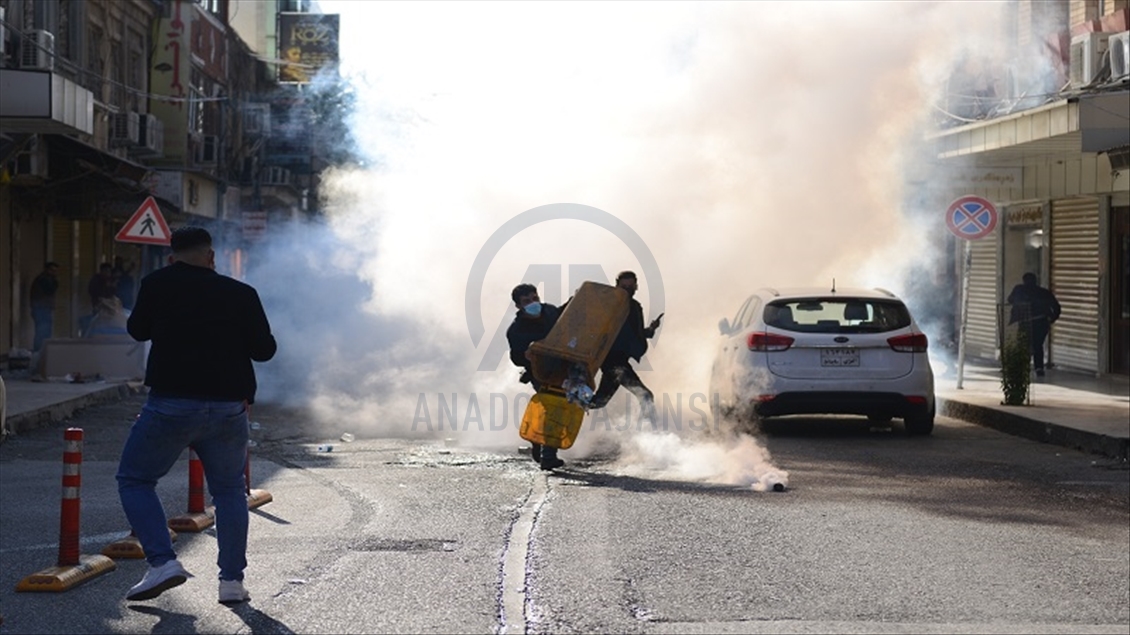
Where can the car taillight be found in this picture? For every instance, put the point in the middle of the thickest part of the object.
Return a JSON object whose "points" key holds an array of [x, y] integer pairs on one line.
{"points": [[761, 341], [913, 343]]}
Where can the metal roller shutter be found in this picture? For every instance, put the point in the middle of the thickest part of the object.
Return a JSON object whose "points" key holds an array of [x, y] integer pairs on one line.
{"points": [[981, 330], [1075, 283]]}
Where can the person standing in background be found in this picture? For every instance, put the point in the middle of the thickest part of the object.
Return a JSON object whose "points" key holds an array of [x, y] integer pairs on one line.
{"points": [[42, 296], [123, 281], [1035, 309], [101, 284]]}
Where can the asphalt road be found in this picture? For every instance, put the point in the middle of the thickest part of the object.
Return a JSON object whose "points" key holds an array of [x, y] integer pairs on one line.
{"points": [[968, 530]]}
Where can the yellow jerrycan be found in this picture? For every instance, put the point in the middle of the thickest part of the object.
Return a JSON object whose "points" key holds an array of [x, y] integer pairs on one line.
{"points": [[551, 420]]}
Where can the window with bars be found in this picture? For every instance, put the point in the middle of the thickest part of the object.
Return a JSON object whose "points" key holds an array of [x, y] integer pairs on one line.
{"points": [[63, 45], [95, 64], [135, 73], [117, 77], [195, 112]]}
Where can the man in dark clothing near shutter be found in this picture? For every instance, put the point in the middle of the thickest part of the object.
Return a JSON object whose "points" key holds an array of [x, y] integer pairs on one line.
{"points": [[42, 296], [206, 329], [630, 343], [1035, 308], [533, 321]]}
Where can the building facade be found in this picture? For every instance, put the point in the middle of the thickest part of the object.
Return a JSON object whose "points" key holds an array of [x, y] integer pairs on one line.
{"points": [[1046, 139], [105, 103]]}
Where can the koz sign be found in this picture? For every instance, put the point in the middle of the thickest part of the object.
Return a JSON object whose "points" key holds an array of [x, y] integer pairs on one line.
{"points": [[551, 274]]}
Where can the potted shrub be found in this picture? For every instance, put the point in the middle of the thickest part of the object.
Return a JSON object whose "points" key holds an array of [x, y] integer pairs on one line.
{"points": [[1016, 368]]}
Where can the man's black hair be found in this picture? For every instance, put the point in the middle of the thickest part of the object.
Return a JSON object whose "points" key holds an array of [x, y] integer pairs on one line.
{"points": [[104, 266], [625, 274], [188, 238], [50, 264], [1030, 278], [521, 290]]}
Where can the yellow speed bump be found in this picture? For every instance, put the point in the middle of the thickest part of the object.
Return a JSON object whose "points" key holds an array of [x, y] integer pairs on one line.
{"points": [[62, 578], [129, 548], [258, 498], [194, 522]]}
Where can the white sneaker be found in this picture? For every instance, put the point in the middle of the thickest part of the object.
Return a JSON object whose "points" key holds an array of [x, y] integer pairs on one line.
{"points": [[232, 592], [157, 580]]}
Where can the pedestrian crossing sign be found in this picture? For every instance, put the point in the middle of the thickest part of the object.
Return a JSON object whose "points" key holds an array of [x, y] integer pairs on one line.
{"points": [[146, 226]]}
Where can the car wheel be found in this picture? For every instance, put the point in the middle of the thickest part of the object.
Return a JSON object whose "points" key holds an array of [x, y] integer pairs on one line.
{"points": [[879, 418], [919, 424]]}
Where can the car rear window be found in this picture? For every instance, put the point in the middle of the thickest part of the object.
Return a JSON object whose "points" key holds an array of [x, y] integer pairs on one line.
{"points": [[837, 315]]}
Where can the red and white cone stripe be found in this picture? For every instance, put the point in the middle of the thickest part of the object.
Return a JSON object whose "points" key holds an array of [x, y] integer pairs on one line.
{"points": [[71, 505]]}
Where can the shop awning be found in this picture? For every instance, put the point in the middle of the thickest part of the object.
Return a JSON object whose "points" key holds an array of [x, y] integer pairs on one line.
{"points": [[1060, 130]]}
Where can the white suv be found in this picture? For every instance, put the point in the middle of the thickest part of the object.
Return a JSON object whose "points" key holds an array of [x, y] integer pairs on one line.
{"points": [[820, 351]]}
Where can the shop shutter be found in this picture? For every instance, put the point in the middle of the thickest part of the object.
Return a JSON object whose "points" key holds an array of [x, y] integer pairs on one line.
{"points": [[981, 331], [1075, 283]]}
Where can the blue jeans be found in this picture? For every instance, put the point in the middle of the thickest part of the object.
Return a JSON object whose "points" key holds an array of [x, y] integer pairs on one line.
{"points": [[44, 320], [218, 432]]}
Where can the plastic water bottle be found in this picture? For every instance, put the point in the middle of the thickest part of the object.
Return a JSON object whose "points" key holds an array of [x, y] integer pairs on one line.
{"points": [[325, 447]]}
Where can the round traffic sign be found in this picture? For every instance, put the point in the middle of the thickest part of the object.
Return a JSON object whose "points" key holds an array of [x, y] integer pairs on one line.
{"points": [[971, 217]]}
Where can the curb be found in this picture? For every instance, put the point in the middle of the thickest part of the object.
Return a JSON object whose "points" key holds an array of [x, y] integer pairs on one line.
{"points": [[43, 417], [1016, 425]]}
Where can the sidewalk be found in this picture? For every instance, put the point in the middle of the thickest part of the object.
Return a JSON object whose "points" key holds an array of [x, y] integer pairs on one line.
{"points": [[1068, 409], [1065, 408], [33, 404]]}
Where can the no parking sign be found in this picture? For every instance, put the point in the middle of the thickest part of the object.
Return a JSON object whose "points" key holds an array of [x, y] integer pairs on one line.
{"points": [[971, 217]]}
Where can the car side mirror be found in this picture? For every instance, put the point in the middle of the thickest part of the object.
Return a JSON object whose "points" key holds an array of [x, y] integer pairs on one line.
{"points": [[724, 326]]}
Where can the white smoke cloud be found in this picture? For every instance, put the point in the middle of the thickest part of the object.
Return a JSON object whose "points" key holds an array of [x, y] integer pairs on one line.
{"points": [[748, 144]]}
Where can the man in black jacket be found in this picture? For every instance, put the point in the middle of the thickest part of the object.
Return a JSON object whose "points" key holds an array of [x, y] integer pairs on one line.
{"points": [[630, 343], [533, 321], [1035, 308], [206, 329], [42, 296]]}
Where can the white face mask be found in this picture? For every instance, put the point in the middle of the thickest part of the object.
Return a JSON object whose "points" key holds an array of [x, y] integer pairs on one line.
{"points": [[533, 308]]}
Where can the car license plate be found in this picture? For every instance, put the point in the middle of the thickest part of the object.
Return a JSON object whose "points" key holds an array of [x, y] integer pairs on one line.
{"points": [[838, 357]]}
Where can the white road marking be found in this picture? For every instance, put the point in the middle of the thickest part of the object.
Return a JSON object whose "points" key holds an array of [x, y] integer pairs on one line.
{"points": [[514, 559]]}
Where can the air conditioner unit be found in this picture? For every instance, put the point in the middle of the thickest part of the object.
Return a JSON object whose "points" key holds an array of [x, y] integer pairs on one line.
{"points": [[151, 136], [30, 163], [275, 175], [38, 51], [1119, 55], [124, 128], [1087, 57], [208, 150], [257, 119]]}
